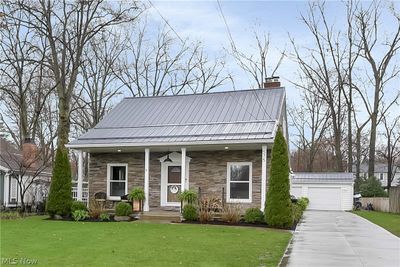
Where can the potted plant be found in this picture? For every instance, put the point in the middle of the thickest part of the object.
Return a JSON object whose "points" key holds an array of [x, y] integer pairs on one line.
{"points": [[137, 196], [188, 197]]}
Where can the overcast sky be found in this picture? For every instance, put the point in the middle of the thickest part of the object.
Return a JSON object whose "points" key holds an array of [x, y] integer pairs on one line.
{"points": [[202, 20]]}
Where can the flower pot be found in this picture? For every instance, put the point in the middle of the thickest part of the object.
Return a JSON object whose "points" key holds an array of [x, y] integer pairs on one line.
{"points": [[137, 205]]}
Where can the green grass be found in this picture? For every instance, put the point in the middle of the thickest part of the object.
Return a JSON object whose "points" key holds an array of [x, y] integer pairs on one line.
{"points": [[389, 221], [60, 243]]}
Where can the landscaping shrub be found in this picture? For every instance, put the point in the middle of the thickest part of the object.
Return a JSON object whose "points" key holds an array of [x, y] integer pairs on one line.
{"points": [[278, 211], [80, 215], [207, 206], [188, 196], [104, 217], [123, 209], [95, 209], [372, 187], [253, 215], [231, 214], [189, 213], [78, 205], [60, 199], [303, 203], [297, 212], [8, 215]]}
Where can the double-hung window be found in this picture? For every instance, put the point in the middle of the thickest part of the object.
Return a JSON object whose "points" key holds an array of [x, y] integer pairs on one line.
{"points": [[117, 180], [239, 182]]}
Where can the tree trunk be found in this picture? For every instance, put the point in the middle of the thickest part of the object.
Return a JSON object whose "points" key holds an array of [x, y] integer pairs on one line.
{"points": [[349, 133], [372, 143], [63, 119], [358, 161]]}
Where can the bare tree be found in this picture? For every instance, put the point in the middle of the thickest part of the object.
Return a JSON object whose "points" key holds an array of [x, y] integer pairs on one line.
{"points": [[257, 64], [68, 27], [24, 79], [311, 122], [97, 86], [390, 152], [383, 69], [168, 65], [324, 67]]}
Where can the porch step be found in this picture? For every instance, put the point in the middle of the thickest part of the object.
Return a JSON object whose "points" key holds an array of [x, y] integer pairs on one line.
{"points": [[161, 216]]}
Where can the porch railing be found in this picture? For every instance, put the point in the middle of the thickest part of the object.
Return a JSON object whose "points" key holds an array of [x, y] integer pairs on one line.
{"points": [[85, 192]]}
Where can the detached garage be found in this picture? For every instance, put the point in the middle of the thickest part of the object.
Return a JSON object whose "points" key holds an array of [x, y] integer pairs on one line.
{"points": [[326, 191]]}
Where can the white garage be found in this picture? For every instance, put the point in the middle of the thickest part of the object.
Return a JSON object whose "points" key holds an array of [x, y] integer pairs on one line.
{"points": [[326, 191]]}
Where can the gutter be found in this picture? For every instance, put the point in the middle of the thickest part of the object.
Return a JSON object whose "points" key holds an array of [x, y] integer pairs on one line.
{"points": [[155, 144]]}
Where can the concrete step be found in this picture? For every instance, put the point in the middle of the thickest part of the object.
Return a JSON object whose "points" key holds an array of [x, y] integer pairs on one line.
{"points": [[170, 216]]}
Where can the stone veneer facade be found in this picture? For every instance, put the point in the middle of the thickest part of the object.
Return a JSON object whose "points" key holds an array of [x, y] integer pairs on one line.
{"points": [[207, 170]]}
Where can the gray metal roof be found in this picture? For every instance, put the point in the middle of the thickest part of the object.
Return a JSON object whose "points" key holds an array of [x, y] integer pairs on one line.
{"points": [[234, 115], [322, 177], [379, 167]]}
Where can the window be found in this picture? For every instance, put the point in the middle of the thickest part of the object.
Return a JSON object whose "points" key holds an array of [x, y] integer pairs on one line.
{"points": [[117, 176], [239, 182], [381, 176]]}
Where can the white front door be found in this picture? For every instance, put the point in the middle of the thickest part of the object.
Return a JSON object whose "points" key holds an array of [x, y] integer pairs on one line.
{"points": [[172, 185], [171, 179]]}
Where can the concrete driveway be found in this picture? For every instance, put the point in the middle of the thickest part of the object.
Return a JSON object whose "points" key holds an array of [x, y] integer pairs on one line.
{"points": [[337, 238]]}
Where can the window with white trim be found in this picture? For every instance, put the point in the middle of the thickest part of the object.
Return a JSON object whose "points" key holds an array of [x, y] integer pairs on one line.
{"points": [[381, 176], [239, 182], [117, 180]]}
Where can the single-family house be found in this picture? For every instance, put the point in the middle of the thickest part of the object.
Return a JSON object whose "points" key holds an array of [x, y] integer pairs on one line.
{"points": [[381, 173], [17, 165], [216, 143]]}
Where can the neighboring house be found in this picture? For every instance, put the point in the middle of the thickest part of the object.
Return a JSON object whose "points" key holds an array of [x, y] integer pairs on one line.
{"points": [[217, 144], [381, 173], [11, 169], [325, 190]]}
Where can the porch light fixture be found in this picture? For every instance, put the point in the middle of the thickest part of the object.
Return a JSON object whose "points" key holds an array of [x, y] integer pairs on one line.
{"points": [[167, 159], [226, 147], [119, 150]]}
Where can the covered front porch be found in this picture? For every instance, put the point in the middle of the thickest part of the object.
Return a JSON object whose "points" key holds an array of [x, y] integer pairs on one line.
{"points": [[163, 172]]}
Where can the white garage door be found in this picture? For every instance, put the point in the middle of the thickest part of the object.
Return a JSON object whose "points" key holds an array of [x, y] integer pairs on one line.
{"points": [[324, 198], [296, 191]]}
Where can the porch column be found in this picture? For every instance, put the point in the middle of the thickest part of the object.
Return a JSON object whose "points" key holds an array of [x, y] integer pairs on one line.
{"points": [[183, 169], [146, 179], [263, 176], [80, 175]]}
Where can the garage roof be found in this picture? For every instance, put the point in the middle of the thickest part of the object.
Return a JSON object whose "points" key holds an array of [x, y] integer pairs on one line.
{"points": [[322, 177]]}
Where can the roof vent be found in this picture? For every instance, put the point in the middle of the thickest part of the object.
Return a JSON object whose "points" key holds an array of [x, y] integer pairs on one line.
{"points": [[272, 82]]}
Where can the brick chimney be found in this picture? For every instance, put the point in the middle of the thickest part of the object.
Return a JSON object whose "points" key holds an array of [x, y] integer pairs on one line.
{"points": [[272, 82], [29, 153]]}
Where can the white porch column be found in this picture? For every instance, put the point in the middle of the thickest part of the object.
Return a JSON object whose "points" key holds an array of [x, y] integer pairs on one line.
{"points": [[183, 169], [263, 176], [80, 175], [146, 178]]}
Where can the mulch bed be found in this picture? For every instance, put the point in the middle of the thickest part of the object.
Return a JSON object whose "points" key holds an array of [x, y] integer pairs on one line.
{"points": [[70, 219]]}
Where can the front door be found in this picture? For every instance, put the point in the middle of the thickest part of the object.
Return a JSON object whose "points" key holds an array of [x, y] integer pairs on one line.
{"points": [[173, 185], [171, 178]]}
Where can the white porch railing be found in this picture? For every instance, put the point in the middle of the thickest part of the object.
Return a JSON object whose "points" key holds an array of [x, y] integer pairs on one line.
{"points": [[85, 192]]}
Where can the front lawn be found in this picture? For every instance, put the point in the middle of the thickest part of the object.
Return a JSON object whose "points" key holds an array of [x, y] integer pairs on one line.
{"points": [[389, 221], [57, 243]]}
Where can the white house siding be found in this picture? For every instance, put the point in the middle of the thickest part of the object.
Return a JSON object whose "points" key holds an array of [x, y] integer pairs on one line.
{"points": [[326, 196]]}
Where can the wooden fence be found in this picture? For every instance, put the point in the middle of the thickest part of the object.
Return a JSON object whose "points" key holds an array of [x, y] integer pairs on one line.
{"points": [[385, 204], [394, 200], [379, 203]]}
